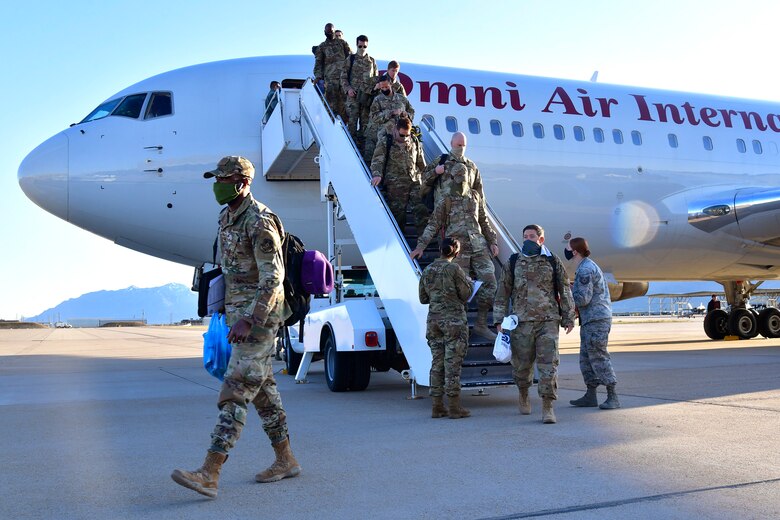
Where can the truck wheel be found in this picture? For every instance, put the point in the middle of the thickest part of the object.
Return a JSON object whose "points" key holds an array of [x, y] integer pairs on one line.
{"points": [[292, 358], [337, 369], [361, 371]]}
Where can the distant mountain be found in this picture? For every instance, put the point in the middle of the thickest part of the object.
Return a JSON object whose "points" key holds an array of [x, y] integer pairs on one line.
{"points": [[158, 305]]}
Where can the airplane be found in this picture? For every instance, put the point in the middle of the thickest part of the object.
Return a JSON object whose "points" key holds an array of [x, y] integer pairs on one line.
{"points": [[664, 185]]}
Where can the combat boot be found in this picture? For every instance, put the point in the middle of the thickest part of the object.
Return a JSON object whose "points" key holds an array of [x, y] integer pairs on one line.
{"points": [[612, 399], [548, 415], [589, 400], [284, 466], [525, 402], [456, 410], [205, 479], [481, 328], [439, 410]]}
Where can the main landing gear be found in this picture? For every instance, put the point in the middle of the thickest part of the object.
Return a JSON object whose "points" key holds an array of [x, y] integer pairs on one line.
{"points": [[740, 321]]}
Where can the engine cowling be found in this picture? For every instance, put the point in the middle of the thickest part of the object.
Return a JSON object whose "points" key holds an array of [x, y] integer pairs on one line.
{"points": [[625, 290]]}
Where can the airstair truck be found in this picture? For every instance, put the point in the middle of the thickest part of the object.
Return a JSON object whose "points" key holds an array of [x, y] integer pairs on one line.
{"points": [[373, 320]]}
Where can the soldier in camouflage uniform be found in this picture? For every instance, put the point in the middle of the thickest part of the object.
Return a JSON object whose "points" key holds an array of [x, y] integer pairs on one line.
{"points": [[462, 215], [457, 171], [446, 288], [538, 289], [393, 68], [591, 295], [358, 77], [250, 241], [328, 60], [386, 108], [399, 166]]}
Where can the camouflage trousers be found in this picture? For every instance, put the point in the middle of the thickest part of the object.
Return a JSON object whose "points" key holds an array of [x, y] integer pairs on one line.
{"points": [[536, 340], [357, 113], [249, 378], [449, 342], [400, 193], [479, 266], [595, 364], [334, 95], [369, 137]]}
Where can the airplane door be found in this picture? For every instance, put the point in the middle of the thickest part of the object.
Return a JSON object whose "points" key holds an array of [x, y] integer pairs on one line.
{"points": [[159, 141]]}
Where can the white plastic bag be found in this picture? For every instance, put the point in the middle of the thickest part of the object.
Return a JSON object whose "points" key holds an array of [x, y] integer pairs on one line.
{"points": [[502, 349]]}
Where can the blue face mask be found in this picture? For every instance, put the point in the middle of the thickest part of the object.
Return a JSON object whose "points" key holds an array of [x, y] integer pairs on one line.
{"points": [[568, 253], [531, 248]]}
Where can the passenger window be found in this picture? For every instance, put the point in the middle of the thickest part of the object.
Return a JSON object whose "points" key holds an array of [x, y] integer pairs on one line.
{"points": [[558, 132], [673, 140], [617, 136], [130, 106], [495, 127], [517, 128], [429, 119], [741, 146], [757, 147], [102, 111], [598, 135], [579, 133], [160, 105], [451, 123], [707, 141], [473, 125], [636, 137], [538, 130]]}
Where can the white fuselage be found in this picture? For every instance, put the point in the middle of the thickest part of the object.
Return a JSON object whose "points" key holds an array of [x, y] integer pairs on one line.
{"points": [[139, 182]]}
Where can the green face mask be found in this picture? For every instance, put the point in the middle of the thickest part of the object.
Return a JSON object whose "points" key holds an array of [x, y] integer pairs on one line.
{"points": [[224, 193]]}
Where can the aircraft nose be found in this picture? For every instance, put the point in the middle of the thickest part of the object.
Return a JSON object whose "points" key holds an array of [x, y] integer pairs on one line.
{"points": [[43, 175]]}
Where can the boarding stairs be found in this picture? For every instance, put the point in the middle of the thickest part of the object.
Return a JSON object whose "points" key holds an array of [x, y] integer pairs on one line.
{"points": [[302, 127]]}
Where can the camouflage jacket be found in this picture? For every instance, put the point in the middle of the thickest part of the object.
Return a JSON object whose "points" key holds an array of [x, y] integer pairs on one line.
{"points": [[383, 106], [398, 86], [329, 58], [250, 242], [363, 77], [533, 292], [463, 218], [405, 160], [459, 176], [446, 288], [591, 293]]}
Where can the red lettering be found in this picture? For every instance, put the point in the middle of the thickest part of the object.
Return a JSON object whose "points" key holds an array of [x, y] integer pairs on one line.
{"points": [[689, 112], [604, 103], [562, 99], [514, 97], [770, 119], [726, 115], [662, 109], [644, 110], [706, 116], [495, 96], [444, 93], [747, 116]]}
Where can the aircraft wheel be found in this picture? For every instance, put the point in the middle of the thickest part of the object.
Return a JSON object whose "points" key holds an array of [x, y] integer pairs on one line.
{"points": [[361, 371], [716, 324], [743, 323], [337, 366], [769, 323], [292, 359]]}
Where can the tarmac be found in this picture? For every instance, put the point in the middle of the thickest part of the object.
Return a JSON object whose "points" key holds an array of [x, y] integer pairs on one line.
{"points": [[94, 421]]}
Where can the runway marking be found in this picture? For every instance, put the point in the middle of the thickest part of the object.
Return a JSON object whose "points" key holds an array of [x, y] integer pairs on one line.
{"points": [[637, 500], [188, 380]]}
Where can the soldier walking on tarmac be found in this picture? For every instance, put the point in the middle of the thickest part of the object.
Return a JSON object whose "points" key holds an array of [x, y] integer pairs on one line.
{"points": [[446, 288], [591, 295], [250, 241], [535, 282]]}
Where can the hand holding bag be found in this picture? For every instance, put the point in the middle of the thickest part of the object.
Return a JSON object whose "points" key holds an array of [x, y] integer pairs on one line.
{"points": [[502, 348], [216, 349]]}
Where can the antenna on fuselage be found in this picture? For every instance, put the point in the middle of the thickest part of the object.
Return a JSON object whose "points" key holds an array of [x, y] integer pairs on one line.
{"points": [[595, 77]]}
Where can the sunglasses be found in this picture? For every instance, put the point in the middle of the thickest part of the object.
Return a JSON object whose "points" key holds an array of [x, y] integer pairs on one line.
{"points": [[362, 46]]}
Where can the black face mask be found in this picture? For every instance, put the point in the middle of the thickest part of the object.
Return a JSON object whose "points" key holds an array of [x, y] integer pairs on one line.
{"points": [[568, 253], [328, 35], [531, 248], [386, 92]]}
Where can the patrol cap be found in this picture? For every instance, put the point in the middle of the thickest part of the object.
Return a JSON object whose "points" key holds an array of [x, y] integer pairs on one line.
{"points": [[230, 165]]}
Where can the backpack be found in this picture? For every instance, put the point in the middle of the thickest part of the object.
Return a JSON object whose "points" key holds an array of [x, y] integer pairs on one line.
{"points": [[306, 272], [427, 192]]}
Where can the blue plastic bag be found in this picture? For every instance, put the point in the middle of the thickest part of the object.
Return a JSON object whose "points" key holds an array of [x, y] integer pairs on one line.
{"points": [[216, 349]]}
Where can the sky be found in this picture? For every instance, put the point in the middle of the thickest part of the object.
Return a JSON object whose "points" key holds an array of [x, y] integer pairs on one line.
{"points": [[61, 59]]}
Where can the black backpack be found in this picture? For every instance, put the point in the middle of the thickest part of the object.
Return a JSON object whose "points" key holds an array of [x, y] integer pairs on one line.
{"points": [[294, 293]]}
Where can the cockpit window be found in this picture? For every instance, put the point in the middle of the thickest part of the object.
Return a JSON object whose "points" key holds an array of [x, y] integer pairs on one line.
{"points": [[160, 105], [130, 106], [102, 111]]}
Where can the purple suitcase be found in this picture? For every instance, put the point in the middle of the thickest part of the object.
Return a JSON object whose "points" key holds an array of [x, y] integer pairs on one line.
{"points": [[316, 273]]}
